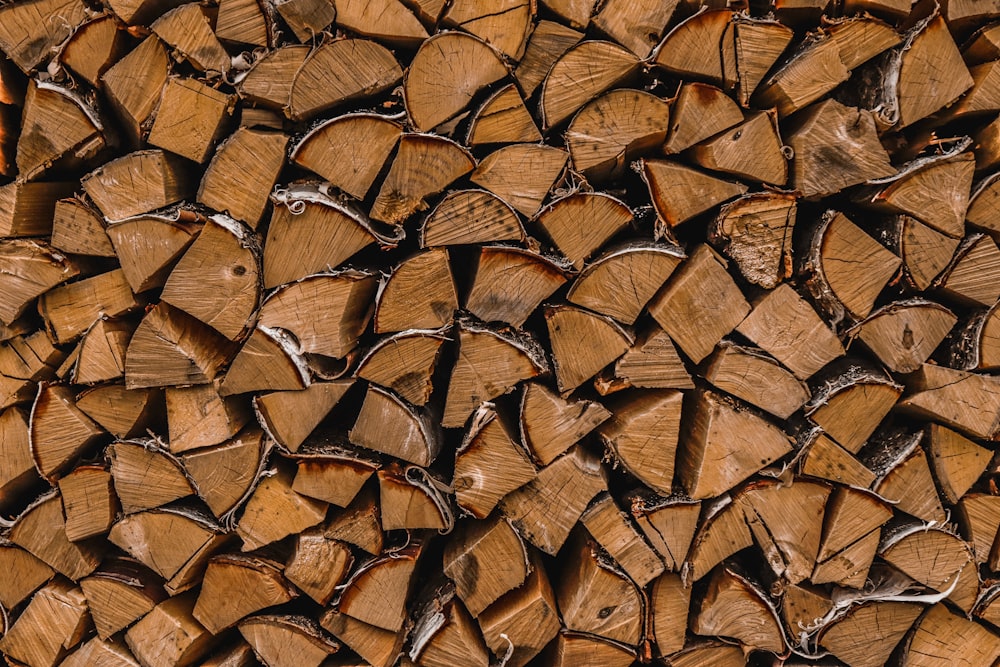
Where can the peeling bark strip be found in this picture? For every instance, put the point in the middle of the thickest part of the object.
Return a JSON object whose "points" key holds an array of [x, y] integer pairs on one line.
{"points": [[499, 333]]}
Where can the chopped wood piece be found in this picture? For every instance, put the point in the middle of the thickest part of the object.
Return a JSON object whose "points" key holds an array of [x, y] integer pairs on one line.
{"points": [[122, 412], [581, 223], [668, 524], [188, 641], [146, 478], [436, 89], [24, 361], [259, 581], [700, 47], [60, 129], [243, 22], [290, 416], [172, 348], [198, 416], [72, 309], [574, 12], [331, 75], [503, 119], [979, 517], [524, 620], [79, 230], [804, 606], [751, 150], [582, 344], [545, 510], [849, 405], [636, 25], [881, 624], [188, 29], [596, 598], [133, 86], [148, 247], [904, 477], [548, 42], [510, 283], [492, 544], [490, 364], [420, 294], [826, 459], [489, 464], [974, 343], [404, 363], [903, 334], [925, 251], [756, 378], [787, 523], [360, 523], [505, 27], [318, 564], [191, 117], [28, 209], [350, 150], [377, 593], [286, 641], [89, 503], [642, 434], [306, 18], [967, 402], [957, 462], [424, 166], [680, 193], [138, 183], [268, 361], [718, 429], [378, 647], [110, 653], [758, 44], [242, 172], [835, 147], [608, 133], [471, 216], [734, 607], [700, 111], [32, 268], [932, 557], [390, 21], [275, 511], [582, 73], [551, 424], [60, 432], [269, 82], [722, 533], [444, 635], [970, 279], [41, 531], [815, 69], [17, 468], [29, 41], [54, 622], [95, 47], [699, 304], [610, 527], [335, 479], [521, 175], [651, 363], [389, 425], [576, 649], [120, 593], [669, 606], [941, 634]]}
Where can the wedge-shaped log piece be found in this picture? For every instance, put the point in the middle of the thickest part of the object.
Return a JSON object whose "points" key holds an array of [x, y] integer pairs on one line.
{"points": [[404, 363], [979, 517], [419, 294], [424, 165], [545, 510], [78, 229], [904, 476], [758, 44], [722, 532], [476, 543], [360, 523], [700, 111], [134, 84], [822, 457], [756, 378], [751, 150], [521, 175], [608, 133], [590, 585], [318, 564], [970, 279], [242, 22], [735, 607], [41, 531], [378, 647], [489, 364], [24, 361], [119, 594], [581, 223], [503, 119], [60, 432], [275, 511], [32, 269], [17, 469], [260, 582], [72, 309], [350, 150], [982, 211], [510, 283], [389, 21], [290, 416], [582, 344], [851, 530], [934, 558], [787, 524], [59, 129], [242, 172], [29, 41], [306, 18], [173, 348], [667, 523], [974, 344], [903, 334], [866, 635], [575, 13], [173, 542], [669, 606], [148, 246], [378, 592], [436, 88], [679, 193], [190, 118], [719, 429], [326, 312], [95, 47], [312, 232], [957, 462], [570, 648], [101, 353], [835, 147], [145, 477], [850, 403], [472, 216], [505, 27], [699, 304], [29, 209], [526, 617], [581, 74], [55, 621], [198, 416], [109, 653], [642, 434], [551, 424], [89, 502], [388, 424], [269, 82], [138, 183], [489, 464], [171, 618], [188, 30], [444, 633], [925, 251], [332, 477], [651, 363], [967, 402], [284, 640], [548, 42], [814, 69], [332, 74], [636, 25], [700, 47], [942, 634], [612, 529]]}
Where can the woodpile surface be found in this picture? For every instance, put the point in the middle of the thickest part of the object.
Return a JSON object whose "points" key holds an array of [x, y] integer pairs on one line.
{"points": [[466, 334]]}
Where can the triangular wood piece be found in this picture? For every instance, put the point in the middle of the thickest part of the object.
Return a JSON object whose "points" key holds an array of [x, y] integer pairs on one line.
{"points": [[503, 119], [290, 416], [224, 475], [145, 477], [503, 271], [581, 74], [389, 425], [268, 361], [551, 424], [643, 434], [679, 193], [473, 216], [957, 462], [521, 175], [404, 363], [582, 344]]}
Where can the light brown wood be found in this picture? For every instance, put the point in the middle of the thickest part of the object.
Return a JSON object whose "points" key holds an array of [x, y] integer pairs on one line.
{"points": [[582, 344], [700, 47], [34, 269], [274, 511], [333, 478], [935, 558], [651, 363], [188, 30], [190, 118], [850, 404], [360, 523], [904, 476], [699, 112], [969, 279], [188, 640], [883, 625], [389, 425], [612, 529], [120, 593], [642, 433], [503, 119], [550, 424], [74, 308], [17, 470], [269, 82], [79, 229], [133, 86], [505, 173], [756, 378], [456, 641], [113, 653], [318, 565], [290, 416], [485, 560], [548, 42], [412, 499], [61, 129], [380, 648], [903, 334], [306, 18], [28, 42], [404, 363], [155, 179], [730, 152], [148, 246], [29, 208], [963, 401], [56, 620], [60, 432], [419, 294], [376, 593], [473, 216], [242, 173], [260, 581], [89, 503], [582, 73], [146, 477], [941, 632], [729, 604], [268, 361], [822, 457], [679, 193], [330, 76], [390, 21], [41, 531], [976, 514]]}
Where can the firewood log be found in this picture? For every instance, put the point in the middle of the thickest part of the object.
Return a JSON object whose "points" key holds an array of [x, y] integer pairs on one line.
{"points": [[505, 173], [582, 73]]}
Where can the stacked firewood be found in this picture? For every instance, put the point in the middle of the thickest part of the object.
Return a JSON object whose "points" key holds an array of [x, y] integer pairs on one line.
{"points": [[468, 333]]}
